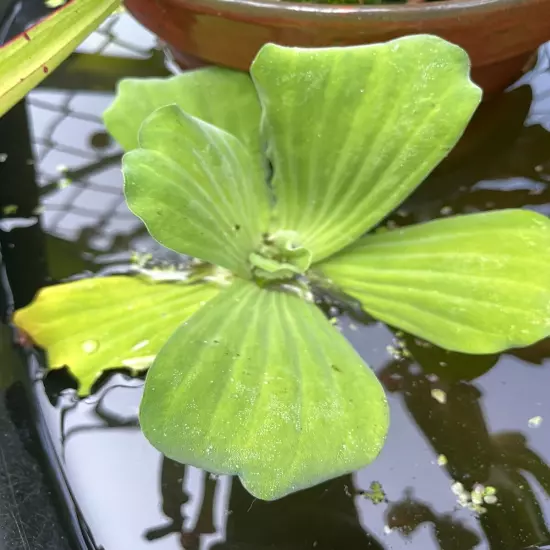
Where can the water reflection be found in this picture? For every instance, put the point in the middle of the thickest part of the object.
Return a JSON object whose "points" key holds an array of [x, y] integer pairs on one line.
{"points": [[321, 517], [502, 161], [409, 513], [471, 454]]}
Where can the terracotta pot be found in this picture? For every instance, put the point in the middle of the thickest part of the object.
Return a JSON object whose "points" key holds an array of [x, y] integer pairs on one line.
{"points": [[501, 36]]}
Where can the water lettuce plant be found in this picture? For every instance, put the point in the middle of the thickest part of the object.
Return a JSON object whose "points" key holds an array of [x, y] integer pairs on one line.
{"points": [[277, 178]]}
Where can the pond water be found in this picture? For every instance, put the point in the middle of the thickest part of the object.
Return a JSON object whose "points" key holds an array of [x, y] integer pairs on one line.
{"points": [[457, 420]]}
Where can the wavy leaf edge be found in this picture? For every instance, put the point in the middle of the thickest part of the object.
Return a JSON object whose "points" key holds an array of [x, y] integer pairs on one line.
{"points": [[506, 275], [278, 430]]}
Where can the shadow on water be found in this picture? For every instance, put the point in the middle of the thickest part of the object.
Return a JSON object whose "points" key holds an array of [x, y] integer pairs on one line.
{"points": [[461, 424]]}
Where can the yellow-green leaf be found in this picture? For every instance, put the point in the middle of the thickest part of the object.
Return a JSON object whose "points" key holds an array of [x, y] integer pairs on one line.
{"points": [[29, 58], [91, 325]]}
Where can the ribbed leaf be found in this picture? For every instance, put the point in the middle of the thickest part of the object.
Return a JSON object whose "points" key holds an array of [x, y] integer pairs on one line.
{"points": [[91, 325], [197, 189], [259, 384], [476, 284], [29, 58], [351, 132], [222, 97]]}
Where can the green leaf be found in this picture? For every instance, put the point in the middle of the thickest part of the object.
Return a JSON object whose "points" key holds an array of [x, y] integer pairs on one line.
{"points": [[279, 258], [351, 132], [259, 384], [91, 325], [475, 284], [29, 58], [197, 190], [222, 97]]}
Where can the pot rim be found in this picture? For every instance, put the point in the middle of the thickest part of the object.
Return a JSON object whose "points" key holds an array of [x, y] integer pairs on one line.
{"points": [[352, 14]]}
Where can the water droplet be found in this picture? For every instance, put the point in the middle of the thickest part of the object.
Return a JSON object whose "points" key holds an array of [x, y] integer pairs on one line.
{"points": [[457, 488], [140, 345], [535, 422], [415, 369], [138, 363], [90, 346]]}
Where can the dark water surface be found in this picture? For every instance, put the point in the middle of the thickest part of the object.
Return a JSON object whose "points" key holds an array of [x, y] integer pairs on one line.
{"points": [[487, 422]]}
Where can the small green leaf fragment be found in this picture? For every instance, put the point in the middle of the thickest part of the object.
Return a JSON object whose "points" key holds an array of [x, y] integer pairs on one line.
{"points": [[260, 385], [376, 493], [279, 257], [284, 244], [442, 460], [196, 189], [95, 324], [473, 500], [439, 395], [269, 269], [10, 209], [475, 284]]}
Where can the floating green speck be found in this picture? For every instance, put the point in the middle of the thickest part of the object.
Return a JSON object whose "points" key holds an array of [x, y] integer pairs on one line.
{"points": [[439, 395], [375, 493], [10, 209], [535, 422], [64, 182]]}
